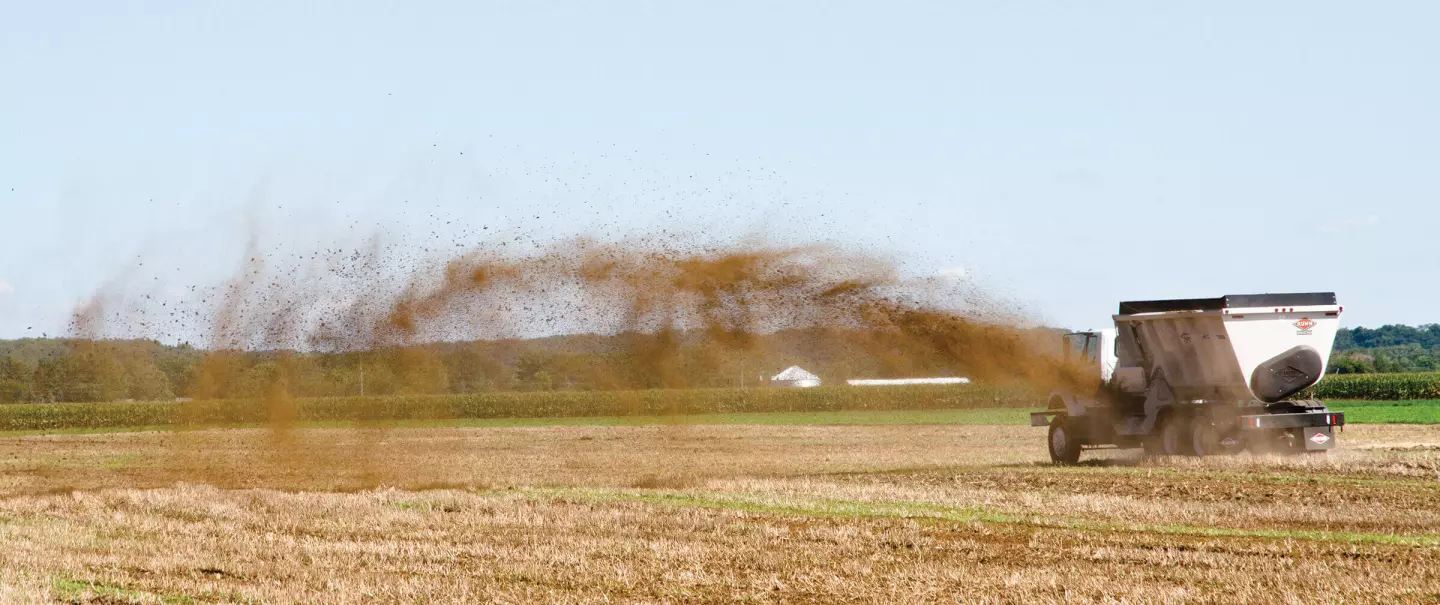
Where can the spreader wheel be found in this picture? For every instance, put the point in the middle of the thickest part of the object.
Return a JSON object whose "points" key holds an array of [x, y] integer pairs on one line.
{"points": [[1175, 437], [1206, 439], [1064, 442]]}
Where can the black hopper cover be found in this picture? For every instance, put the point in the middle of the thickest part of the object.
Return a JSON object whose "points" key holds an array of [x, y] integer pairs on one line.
{"points": [[1286, 374]]}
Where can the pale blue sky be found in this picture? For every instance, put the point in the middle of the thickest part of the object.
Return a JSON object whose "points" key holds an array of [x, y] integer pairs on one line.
{"points": [[1066, 154]]}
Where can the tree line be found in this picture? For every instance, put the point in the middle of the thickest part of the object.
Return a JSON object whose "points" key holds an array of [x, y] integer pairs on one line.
{"points": [[73, 370], [1387, 349]]}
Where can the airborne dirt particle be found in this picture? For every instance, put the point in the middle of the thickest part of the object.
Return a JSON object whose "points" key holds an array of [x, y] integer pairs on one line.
{"points": [[677, 312]]}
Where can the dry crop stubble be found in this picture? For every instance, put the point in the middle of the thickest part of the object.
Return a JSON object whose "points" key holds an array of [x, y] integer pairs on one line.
{"points": [[710, 513], [457, 547]]}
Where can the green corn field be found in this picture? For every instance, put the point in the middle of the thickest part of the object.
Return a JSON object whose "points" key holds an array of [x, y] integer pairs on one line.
{"points": [[550, 404], [1379, 387]]}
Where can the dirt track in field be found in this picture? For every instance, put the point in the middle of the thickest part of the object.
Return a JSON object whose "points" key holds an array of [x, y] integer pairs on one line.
{"points": [[708, 513]]}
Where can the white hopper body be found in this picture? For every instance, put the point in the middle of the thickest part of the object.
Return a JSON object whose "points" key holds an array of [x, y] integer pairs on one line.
{"points": [[1234, 348]]}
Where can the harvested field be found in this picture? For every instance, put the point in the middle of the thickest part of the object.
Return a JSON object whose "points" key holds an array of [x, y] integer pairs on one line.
{"points": [[690, 513]]}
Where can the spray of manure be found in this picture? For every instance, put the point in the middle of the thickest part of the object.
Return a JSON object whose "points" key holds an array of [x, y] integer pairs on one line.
{"points": [[669, 314]]}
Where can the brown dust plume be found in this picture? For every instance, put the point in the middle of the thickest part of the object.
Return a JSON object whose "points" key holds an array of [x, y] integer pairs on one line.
{"points": [[667, 315]]}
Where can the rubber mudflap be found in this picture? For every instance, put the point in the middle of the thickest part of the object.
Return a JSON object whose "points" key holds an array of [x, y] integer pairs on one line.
{"points": [[1286, 374]]}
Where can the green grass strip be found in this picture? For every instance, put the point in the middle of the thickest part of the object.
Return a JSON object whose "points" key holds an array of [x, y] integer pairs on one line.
{"points": [[976, 417], [75, 591]]}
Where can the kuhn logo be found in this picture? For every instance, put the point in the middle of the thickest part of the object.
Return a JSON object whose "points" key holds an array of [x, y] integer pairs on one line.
{"points": [[1304, 325], [1320, 438]]}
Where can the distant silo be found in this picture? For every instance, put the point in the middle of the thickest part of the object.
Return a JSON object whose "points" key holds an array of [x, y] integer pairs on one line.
{"points": [[795, 376]]}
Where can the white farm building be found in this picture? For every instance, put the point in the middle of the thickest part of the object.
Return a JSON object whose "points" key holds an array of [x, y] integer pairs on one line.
{"points": [[795, 376], [881, 382]]}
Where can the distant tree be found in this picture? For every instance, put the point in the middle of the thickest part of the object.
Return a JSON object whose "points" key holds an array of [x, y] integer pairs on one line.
{"points": [[533, 371], [1386, 364], [474, 369], [219, 374], [379, 377], [15, 379], [418, 371], [14, 369], [1352, 364], [14, 391], [146, 382], [179, 372], [86, 374], [541, 380], [1426, 363]]}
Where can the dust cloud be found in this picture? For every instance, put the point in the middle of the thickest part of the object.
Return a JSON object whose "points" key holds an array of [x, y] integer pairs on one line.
{"points": [[658, 298], [672, 311]]}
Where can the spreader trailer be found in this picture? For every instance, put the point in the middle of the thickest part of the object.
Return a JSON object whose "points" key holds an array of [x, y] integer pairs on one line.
{"points": [[1200, 377]]}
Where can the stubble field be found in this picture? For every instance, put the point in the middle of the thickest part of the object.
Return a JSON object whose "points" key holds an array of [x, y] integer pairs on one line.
{"points": [[687, 513]]}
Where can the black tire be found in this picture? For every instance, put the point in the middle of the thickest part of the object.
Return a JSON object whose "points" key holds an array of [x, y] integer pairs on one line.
{"points": [[1175, 437], [1206, 439], [1063, 440]]}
